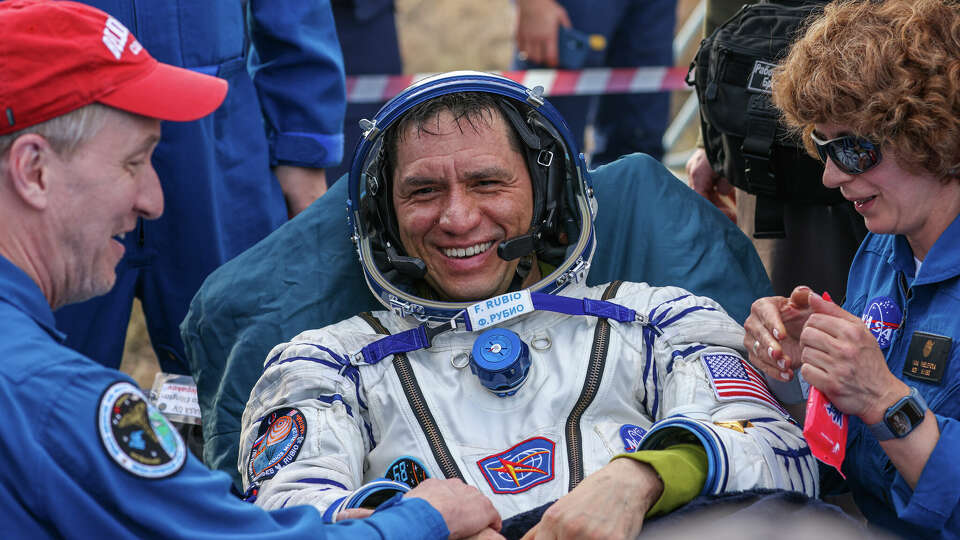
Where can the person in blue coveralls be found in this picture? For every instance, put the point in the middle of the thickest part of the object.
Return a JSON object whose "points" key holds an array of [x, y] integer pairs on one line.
{"points": [[232, 177], [574, 34], [367, 31], [874, 89], [86, 454]]}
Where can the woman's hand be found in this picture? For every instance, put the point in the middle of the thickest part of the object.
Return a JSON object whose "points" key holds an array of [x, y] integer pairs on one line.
{"points": [[773, 332], [841, 358]]}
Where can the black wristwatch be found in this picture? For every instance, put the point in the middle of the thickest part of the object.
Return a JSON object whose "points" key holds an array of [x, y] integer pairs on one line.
{"points": [[901, 418]]}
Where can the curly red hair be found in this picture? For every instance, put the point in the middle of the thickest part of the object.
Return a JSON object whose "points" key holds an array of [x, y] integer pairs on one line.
{"points": [[889, 71]]}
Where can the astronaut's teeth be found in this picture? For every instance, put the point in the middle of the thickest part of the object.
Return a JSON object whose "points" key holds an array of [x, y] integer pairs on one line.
{"points": [[467, 252]]}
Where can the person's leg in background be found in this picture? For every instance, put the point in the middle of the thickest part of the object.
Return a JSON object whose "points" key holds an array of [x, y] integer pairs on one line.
{"points": [[600, 18], [367, 30], [627, 123], [637, 33]]}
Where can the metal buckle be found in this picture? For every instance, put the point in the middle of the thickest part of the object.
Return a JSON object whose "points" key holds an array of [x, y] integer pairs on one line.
{"points": [[545, 158]]}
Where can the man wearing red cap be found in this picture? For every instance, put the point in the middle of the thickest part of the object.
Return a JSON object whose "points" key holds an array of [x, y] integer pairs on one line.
{"points": [[232, 177], [85, 452]]}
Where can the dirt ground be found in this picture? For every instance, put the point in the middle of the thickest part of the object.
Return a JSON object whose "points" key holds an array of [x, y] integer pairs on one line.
{"points": [[435, 35]]}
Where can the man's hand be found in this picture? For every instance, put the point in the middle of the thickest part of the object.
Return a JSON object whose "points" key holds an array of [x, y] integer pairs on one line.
{"points": [[708, 183], [538, 22], [465, 510], [610, 503], [841, 358], [301, 186], [773, 330], [353, 513]]}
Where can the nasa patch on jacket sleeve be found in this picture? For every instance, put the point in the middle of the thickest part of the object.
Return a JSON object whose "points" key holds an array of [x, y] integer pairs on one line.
{"points": [[136, 435]]}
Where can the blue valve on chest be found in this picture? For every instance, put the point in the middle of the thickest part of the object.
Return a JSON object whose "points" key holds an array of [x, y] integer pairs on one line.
{"points": [[501, 360]]}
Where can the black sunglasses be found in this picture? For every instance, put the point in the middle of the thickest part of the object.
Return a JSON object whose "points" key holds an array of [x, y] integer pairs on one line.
{"points": [[851, 154]]}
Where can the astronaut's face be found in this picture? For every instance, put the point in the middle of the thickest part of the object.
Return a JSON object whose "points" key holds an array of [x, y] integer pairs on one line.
{"points": [[458, 193]]}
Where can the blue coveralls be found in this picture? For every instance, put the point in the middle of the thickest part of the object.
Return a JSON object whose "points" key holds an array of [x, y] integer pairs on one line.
{"points": [[638, 33], [881, 288], [220, 194], [367, 30], [60, 480]]}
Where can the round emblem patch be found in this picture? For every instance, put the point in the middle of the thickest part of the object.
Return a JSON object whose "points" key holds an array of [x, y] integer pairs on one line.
{"points": [[279, 440], [137, 435], [407, 470], [882, 316]]}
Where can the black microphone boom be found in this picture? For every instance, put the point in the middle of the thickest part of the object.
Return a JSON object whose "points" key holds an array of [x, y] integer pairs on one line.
{"points": [[517, 246], [411, 267]]}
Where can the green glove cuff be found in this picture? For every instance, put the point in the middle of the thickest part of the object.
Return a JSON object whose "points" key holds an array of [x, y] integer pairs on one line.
{"points": [[682, 469]]}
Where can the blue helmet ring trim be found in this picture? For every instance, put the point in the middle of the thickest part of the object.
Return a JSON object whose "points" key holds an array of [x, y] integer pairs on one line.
{"points": [[402, 301], [671, 430]]}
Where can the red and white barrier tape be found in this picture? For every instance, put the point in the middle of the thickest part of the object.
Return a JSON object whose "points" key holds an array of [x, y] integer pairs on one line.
{"points": [[556, 82]]}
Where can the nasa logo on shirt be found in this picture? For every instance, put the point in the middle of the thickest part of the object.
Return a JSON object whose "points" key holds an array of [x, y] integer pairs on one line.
{"points": [[882, 316], [137, 435], [631, 435]]}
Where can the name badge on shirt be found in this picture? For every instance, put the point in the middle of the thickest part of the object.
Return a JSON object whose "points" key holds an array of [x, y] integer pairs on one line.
{"points": [[927, 357], [499, 309]]}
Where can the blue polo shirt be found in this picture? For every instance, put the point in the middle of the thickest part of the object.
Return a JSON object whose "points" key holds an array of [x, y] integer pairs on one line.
{"points": [[917, 325], [85, 455]]}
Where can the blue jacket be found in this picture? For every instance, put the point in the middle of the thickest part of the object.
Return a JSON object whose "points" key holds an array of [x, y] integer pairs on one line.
{"points": [[881, 288], [84, 456]]}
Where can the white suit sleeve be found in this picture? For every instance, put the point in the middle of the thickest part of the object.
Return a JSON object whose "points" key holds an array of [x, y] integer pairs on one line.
{"points": [[698, 388], [305, 428]]}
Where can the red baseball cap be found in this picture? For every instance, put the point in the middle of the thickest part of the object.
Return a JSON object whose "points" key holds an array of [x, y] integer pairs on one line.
{"points": [[58, 56]]}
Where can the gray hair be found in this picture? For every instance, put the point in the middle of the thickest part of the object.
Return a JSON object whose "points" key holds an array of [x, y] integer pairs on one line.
{"points": [[66, 132]]}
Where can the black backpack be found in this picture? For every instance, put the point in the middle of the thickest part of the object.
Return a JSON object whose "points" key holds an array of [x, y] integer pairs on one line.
{"points": [[742, 135]]}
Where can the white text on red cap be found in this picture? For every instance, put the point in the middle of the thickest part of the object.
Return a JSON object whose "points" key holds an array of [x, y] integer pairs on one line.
{"points": [[115, 36]]}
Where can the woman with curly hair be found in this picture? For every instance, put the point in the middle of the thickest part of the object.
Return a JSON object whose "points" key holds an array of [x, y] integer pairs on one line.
{"points": [[873, 88]]}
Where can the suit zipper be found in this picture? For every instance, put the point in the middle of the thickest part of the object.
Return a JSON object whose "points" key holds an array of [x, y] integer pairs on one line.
{"points": [[591, 384], [418, 404]]}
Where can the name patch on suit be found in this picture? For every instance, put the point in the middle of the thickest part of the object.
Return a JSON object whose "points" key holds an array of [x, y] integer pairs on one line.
{"points": [[520, 467], [279, 440], [927, 357], [137, 435]]}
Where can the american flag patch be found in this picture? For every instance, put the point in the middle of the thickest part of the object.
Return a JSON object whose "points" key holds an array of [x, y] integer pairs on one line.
{"points": [[732, 378]]}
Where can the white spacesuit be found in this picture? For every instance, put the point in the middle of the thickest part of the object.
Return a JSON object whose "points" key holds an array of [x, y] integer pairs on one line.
{"points": [[394, 395]]}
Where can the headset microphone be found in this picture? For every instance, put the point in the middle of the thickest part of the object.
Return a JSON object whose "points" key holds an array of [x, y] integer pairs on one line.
{"points": [[411, 267]]}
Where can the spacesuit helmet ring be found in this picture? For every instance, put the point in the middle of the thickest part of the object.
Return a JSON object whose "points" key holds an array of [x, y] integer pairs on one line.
{"points": [[561, 233]]}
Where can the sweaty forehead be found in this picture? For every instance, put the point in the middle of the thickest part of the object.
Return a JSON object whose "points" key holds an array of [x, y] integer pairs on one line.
{"points": [[474, 143]]}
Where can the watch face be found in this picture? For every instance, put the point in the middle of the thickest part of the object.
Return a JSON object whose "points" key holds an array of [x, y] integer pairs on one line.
{"points": [[899, 423]]}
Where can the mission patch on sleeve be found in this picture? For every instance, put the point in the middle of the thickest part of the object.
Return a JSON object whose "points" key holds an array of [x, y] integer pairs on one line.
{"points": [[137, 435], [279, 440]]}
